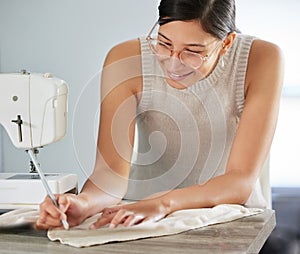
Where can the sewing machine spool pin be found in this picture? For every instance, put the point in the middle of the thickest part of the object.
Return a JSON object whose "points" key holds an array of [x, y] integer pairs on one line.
{"points": [[19, 122]]}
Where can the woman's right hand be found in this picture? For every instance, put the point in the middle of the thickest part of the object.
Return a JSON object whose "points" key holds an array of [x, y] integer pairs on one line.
{"points": [[70, 207]]}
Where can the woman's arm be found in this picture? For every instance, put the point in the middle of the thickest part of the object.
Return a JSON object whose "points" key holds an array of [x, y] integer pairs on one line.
{"points": [[250, 147], [120, 83], [121, 79]]}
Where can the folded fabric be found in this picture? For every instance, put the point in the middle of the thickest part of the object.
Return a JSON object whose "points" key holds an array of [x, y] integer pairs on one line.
{"points": [[19, 217], [177, 222]]}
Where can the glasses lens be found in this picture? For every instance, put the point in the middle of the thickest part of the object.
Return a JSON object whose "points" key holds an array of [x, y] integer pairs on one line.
{"points": [[160, 48], [191, 59]]}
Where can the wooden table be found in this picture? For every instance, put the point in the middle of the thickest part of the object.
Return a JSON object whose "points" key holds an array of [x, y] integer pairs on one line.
{"points": [[246, 235]]}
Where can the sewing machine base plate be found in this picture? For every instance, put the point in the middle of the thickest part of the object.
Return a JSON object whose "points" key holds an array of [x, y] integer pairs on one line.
{"points": [[27, 190]]}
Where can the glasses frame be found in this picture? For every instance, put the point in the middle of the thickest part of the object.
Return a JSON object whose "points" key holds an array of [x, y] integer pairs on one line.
{"points": [[172, 51]]}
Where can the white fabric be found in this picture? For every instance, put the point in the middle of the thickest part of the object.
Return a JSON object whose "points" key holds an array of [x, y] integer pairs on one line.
{"points": [[19, 217], [175, 223]]}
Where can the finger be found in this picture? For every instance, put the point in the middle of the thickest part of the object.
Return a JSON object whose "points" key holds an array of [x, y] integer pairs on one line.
{"points": [[44, 226], [64, 203], [47, 224], [51, 221], [110, 210], [106, 217], [48, 218], [129, 221], [50, 207], [41, 226], [48, 210], [120, 216], [53, 213], [137, 219], [102, 221], [49, 213], [147, 220]]}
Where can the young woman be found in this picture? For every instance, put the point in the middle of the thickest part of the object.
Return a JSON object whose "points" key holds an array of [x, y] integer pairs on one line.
{"points": [[202, 100]]}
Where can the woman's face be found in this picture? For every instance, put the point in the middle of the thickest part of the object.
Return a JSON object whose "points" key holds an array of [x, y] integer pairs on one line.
{"points": [[183, 38]]}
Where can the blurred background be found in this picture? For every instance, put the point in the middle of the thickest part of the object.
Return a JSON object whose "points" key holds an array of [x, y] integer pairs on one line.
{"points": [[70, 39], [279, 22]]}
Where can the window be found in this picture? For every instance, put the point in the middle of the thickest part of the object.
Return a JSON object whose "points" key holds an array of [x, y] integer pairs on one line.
{"points": [[279, 22]]}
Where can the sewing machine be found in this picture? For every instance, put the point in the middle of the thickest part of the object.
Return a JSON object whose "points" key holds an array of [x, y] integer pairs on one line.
{"points": [[33, 111]]}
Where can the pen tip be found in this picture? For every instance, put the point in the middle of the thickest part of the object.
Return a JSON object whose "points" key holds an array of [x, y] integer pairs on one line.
{"points": [[65, 224]]}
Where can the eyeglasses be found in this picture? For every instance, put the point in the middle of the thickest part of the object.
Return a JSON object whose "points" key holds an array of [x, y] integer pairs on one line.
{"points": [[165, 50]]}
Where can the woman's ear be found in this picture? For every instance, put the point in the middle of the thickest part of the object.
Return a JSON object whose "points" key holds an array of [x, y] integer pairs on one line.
{"points": [[227, 43]]}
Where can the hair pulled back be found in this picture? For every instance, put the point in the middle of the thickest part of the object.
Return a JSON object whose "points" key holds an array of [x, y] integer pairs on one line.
{"points": [[217, 17]]}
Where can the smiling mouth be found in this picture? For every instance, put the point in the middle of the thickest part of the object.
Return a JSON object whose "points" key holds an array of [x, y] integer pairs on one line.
{"points": [[178, 77]]}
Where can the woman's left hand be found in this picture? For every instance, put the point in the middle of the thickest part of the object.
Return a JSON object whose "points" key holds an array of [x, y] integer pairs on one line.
{"points": [[131, 214]]}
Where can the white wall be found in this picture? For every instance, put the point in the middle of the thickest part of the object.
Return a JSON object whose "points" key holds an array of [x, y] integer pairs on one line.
{"points": [[70, 39]]}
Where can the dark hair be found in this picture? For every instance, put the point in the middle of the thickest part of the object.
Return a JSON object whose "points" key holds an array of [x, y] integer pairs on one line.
{"points": [[217, 17]]}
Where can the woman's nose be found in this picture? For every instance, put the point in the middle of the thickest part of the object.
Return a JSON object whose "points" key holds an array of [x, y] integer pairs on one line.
{"points": [[174, 61]]}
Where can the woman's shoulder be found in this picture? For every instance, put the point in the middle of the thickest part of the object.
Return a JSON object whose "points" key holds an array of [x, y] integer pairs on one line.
{"points": [[265, 59], [264, 55], [122, 51], [261, 48], [123, 66]]}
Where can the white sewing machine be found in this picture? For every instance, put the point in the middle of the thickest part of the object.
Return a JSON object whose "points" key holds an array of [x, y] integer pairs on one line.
{"points": [[33, 111]]}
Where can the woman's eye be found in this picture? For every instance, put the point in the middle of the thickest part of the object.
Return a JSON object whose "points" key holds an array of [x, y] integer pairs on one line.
{"points": [[167, 45], [195, 51]]}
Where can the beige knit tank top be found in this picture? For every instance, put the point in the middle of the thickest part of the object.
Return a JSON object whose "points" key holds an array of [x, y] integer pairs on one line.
{"points": [[184, 137]]}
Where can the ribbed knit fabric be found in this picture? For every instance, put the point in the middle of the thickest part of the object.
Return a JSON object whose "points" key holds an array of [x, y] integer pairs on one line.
{"points": [[184, 136]]}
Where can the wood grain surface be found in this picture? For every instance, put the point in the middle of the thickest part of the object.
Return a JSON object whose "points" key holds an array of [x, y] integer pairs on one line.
{"points": [[246, 235]]}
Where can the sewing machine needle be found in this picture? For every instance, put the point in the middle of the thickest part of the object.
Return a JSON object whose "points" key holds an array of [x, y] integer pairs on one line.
{"points": [[45, 183]]}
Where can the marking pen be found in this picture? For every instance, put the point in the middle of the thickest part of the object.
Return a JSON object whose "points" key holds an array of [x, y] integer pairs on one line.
{"points": [[45, 183]]}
